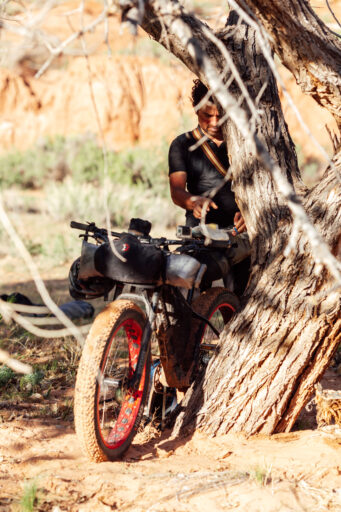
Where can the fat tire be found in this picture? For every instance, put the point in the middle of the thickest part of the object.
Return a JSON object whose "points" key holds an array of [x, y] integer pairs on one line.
{"points": [[87, 392]]}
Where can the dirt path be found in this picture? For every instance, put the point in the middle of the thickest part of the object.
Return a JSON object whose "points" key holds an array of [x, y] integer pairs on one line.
{"points": [[300, 471]]}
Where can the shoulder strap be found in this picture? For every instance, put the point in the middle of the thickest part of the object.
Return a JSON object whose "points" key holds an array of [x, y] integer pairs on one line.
{"points": [[210, 153]]}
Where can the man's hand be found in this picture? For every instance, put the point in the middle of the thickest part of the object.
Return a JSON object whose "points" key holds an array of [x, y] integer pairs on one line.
{"points": [[239, 224], [199, 202], [181, 197]]}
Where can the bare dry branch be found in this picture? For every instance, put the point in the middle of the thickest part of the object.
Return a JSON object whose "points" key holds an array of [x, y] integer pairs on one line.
{"points": [[14, 364], [335, 139], [64, 320], [102, 137], [55, 52], [335, 18]]}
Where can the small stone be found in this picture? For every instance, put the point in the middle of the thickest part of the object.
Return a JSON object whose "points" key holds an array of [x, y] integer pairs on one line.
{"points": [[36, 396]]}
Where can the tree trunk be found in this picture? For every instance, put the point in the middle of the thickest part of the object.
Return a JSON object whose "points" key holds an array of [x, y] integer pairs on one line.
{"points": [[280, 343]]}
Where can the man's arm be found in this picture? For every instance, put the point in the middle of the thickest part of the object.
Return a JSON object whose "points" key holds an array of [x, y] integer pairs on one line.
{"points": [[181, 197], [179, 194]]}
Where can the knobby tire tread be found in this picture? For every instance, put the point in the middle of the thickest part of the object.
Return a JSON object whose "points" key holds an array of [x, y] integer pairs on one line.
{"points": [[85, 390]]}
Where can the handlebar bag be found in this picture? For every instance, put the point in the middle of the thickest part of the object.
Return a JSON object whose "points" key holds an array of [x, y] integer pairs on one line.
{"points": [[131, 261]]}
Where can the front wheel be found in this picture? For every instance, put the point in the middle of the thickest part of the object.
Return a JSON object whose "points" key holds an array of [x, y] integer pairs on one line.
{"points": [[107, 411]]}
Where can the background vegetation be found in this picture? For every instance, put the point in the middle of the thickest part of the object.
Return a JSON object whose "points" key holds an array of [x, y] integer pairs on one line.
{"points": [[62, 179], [70, 172]]}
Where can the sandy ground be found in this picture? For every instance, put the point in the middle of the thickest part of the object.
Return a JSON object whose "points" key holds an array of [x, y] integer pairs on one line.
{"points": [[298, 471]]}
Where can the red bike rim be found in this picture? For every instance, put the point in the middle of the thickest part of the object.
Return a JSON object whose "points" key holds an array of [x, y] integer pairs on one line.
{"points": [[131, 403]]}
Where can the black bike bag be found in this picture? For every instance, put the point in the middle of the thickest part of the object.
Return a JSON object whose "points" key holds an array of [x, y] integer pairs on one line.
{"points": [[131, 261], [137, 263]]}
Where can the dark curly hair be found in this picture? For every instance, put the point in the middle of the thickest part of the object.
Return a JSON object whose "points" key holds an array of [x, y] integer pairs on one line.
{"points": [[199, 90]]}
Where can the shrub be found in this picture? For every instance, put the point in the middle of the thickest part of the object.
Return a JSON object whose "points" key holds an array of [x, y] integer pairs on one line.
{"points": [[78, 186], [6, 375], [87, 202], [81, 157]]}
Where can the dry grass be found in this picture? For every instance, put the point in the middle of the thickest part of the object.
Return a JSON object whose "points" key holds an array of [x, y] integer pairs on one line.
{"points": [[328, 405], [45, 392]]}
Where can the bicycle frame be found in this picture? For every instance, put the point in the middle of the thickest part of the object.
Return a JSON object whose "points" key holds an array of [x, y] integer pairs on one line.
{"points": [[186, 245]]}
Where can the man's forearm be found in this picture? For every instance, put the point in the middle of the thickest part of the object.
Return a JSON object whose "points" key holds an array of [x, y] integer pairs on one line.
{"points": [[182, 198]]}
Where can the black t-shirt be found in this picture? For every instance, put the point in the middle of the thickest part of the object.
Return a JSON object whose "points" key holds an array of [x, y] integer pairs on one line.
{"points": [[203, 176]]}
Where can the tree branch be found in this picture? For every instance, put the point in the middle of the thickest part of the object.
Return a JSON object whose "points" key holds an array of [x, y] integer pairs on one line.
{"points": [[306, 46]]}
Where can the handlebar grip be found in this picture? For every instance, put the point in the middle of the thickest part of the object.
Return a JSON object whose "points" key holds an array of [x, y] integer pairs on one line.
{"points": [[79, 225]]}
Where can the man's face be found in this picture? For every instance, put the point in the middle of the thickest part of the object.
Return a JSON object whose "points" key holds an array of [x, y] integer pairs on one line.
{"points": [[208, 117]]}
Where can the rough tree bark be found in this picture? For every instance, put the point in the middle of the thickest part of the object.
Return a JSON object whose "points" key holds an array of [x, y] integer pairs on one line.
{"points": [[279, 345]]}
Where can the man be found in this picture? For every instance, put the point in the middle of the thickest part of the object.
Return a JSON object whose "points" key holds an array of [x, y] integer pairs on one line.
{"points": [[194, 173]]}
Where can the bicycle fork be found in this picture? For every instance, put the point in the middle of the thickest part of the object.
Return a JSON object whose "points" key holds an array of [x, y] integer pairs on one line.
{"points": [[146, 336]]}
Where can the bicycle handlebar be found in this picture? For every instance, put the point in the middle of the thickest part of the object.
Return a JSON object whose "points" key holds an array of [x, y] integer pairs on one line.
{"points": [[91, 228], [79, 225]]}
